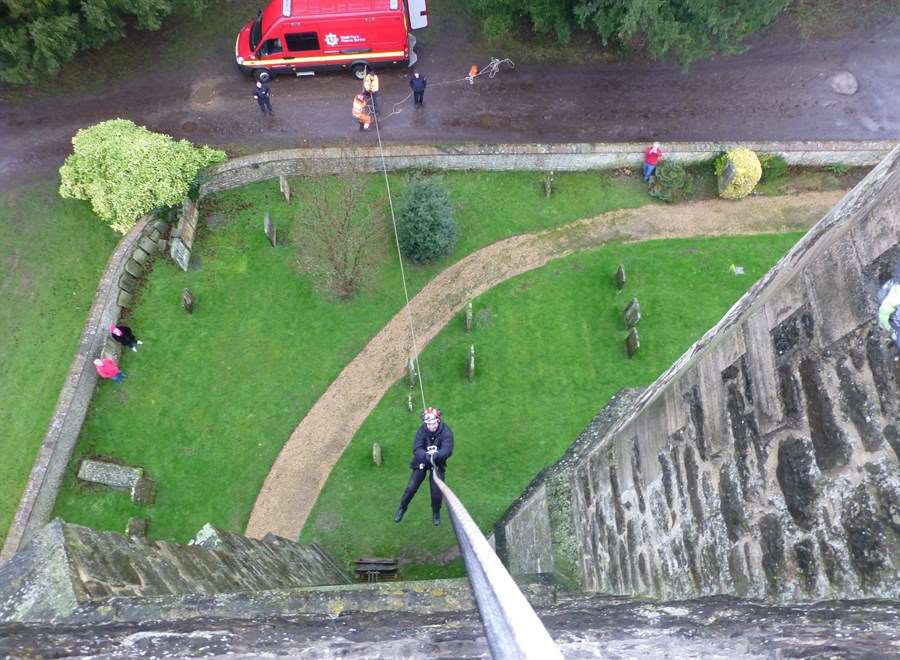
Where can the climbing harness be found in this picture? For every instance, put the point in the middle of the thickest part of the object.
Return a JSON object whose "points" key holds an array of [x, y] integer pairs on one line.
{"points": [[490, 70]]}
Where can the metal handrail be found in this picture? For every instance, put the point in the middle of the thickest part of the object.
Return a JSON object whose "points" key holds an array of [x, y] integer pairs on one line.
{"points": [[512, 628]]}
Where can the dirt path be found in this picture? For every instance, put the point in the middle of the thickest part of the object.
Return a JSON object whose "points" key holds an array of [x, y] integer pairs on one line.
{"points": [[300, 471]]}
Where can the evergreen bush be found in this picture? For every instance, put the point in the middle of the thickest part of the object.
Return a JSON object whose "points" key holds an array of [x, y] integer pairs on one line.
{"points": [[126, 171], [425, 225], [671, 182], [773, 167]]}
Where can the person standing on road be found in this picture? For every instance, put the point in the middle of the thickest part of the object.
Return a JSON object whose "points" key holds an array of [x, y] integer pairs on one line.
{"points": [[417, 83], [651, 158], [262, 93], [124, 335], [359, 112], [109, 368], [370, 89], [432, 446]]}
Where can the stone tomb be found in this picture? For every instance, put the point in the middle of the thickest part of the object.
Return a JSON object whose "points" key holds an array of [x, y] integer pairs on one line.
{"points": [[119, 477], [632, 313]]}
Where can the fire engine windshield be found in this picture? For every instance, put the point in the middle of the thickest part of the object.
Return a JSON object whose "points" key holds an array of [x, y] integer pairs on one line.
{"points": [[256, 32]]}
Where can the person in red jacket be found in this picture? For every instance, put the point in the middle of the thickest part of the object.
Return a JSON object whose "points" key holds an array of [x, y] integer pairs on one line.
{"points": [[107, 368], [651, 158]]}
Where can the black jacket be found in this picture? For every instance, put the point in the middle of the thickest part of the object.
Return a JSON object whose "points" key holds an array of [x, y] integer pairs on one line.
{"points": [[418, 85], [442, 439], [127, 337], [261, 93]]}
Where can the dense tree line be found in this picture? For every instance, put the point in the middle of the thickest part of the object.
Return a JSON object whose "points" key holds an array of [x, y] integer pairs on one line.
{"points": [[689, 29], [38, 36]]}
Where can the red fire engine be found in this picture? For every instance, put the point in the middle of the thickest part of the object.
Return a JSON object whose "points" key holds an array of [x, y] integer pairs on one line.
{"points": [[301, 37]]}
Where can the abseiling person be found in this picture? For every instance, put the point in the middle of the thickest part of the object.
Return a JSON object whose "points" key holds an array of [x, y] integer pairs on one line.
{"points": [[433, 443]]}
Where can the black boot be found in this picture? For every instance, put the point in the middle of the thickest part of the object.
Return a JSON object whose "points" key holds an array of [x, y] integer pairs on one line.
{"points": [[436, 518], [399, 515]]}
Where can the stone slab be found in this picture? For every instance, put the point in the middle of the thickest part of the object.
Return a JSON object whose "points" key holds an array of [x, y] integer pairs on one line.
{"points": [[143, 491], [118, 477], [133, 268]]}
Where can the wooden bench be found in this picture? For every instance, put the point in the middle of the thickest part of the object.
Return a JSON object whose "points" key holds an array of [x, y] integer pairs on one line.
{"points": [[376, 569]]}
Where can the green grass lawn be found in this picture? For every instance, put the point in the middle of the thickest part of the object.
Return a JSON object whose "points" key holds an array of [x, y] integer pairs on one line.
{"points": [[52, 253], [211, 398], [550, 353]]}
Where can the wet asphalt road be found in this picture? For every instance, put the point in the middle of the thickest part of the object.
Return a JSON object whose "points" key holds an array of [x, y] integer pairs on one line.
{"points": [[778, 89]]}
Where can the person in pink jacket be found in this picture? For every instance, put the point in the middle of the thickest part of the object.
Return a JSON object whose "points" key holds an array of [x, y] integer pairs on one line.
{"points": [[107, 368]]}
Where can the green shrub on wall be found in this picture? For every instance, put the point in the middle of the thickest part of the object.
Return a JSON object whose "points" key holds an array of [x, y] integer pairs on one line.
{"points": [[773, 167], [126, 171], [740, 174], [671, 182], [425, 225]]}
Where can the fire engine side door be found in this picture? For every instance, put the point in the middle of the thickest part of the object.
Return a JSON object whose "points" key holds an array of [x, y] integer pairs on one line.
{"points": [[418, 14]]}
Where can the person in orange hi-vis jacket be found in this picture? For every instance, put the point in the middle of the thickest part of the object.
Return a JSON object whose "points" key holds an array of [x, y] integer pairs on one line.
{"points": [[359, 111]]}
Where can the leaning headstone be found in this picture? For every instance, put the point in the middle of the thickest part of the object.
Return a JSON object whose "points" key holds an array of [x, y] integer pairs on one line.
{"points": [[548, 183], [632, 342], [143, 491], [285, 187], [376, 454], [270, 230], [470, 317], [137, 528], [412, 373], [470, 363], [409, 401], [180, 253], [620, 276], [632, 313], [187, 301]]}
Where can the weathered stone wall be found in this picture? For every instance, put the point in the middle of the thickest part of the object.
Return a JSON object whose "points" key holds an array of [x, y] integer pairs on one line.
{"points": [[114, 292], [764, 463], [72, 573], [542, 157]]}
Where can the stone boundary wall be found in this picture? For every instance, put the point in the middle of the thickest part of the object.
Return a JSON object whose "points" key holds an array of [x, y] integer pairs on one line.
{"points": [[540, 157], [764, 462], [114, 292]]}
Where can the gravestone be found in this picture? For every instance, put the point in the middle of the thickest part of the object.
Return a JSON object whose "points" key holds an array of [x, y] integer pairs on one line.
{"points": [[270, 230], [180, 253], [137, 528], [409, 401], [411, 373], [620, 276], [548, 183], [117, 477], [632, 313], [285, 187], [632, 342], [470, 317], [727, 175], [376, 454], [470, 363], [187, 301]]}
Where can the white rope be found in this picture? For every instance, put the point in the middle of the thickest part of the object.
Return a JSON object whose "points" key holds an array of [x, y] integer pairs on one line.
{"points": [[491, 70], [412, 330]]}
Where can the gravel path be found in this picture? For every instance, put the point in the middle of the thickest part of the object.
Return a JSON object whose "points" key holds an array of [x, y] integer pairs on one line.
{"points": [[305, 461]]}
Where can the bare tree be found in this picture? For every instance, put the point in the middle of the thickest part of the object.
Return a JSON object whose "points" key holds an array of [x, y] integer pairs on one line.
{"points": [[338, 232]]}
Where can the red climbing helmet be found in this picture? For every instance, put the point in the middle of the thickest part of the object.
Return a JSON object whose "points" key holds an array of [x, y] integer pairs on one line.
{"points": [[431, 417]]}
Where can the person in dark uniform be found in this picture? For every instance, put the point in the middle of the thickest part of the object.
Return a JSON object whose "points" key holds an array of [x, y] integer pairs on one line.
{"points": [[124, 335], [434, 441], [262, 93], [417, 83]]}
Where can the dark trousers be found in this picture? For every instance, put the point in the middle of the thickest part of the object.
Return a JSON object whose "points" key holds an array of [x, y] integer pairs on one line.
{"points": [[415, 480], [265, 105], [417, 98]]}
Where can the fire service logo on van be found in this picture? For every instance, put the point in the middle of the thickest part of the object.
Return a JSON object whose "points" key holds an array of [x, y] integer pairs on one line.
{"points": [[331, 39]]}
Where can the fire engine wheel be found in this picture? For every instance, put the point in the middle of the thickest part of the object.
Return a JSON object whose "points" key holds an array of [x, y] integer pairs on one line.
{"points": [[359, 70], [263, 75]]}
